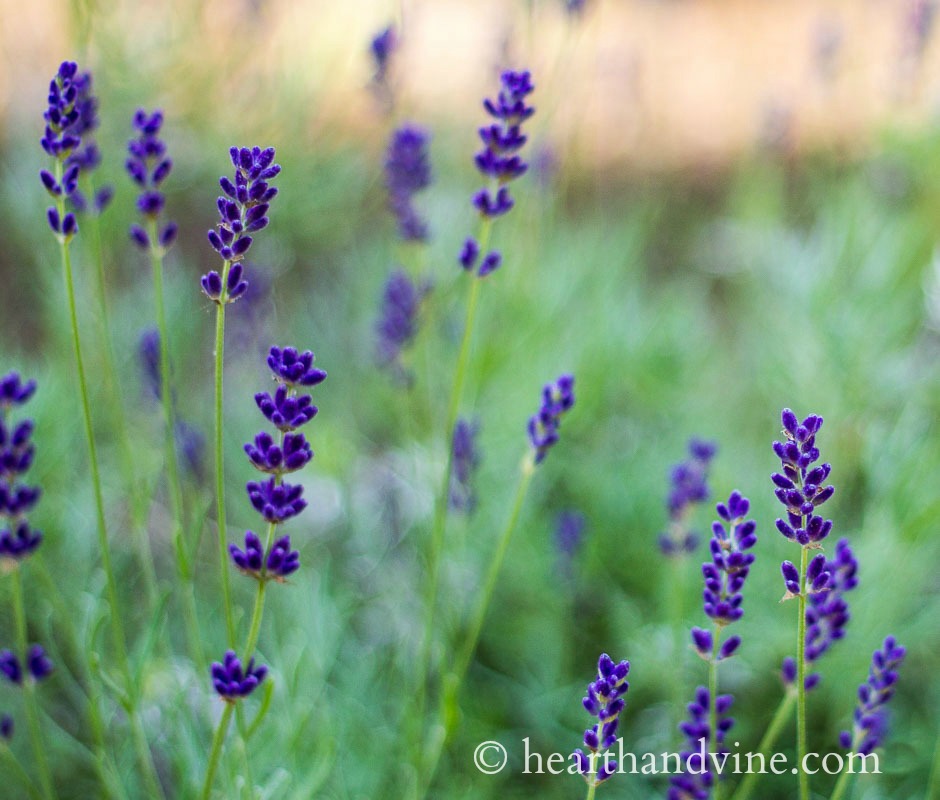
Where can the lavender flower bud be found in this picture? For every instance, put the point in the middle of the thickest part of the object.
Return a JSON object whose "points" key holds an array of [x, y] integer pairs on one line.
{"points": [[231, 682], [604, 700], [725, 574]]}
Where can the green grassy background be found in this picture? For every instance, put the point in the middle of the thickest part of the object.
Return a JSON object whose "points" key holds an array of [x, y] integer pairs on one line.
{"points": [[684, 304]]}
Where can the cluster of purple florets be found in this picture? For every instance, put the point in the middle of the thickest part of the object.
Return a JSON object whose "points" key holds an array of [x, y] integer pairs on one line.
{"points": [[688, 488], [871, 713], [544, 426], [697, 780], [148, 166], [604, 700], [407, 172], [243, 210], [61, 138]]}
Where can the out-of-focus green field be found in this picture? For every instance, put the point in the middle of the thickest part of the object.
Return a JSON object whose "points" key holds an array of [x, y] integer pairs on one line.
{"points": [[688, 304]]}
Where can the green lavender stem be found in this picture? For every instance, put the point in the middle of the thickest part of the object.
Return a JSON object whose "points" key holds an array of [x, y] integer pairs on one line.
{"points": [[29, 696], [219, 462], [771, 734], [933, 783], [138, 524], [440, 506], [800, 680], [713, 703], [450, 696], [216, 751], [117, 626], [592, 787], [172, 462]]}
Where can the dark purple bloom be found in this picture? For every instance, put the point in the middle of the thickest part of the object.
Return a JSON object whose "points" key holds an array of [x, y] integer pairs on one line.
{"points": [[6, 727], [293, 368], [285, 410], [732, 537], [465, 459], [38, 665], [689, 487], [873, 696], [148, 166], [407, 172], [543, 427], [276, 502], [17, 538], [292, 454], [243, 210], [703, 641], [382, 46], [281, 560], [13, 391], [398, 323], [469, 254], [10, 667], [231, 681], [251, 558], [19, 541], [699, 777], [604, 701], [800, 486]]}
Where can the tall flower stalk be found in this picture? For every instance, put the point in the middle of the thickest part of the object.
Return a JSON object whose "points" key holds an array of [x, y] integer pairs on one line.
{"points": [[799, 487], [500, 163], [61, 137], [243, 209]]}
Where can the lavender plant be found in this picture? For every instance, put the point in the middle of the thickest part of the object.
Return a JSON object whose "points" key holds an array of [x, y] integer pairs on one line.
{"points": [[603, 700], [243, 209], [277, 502], [689, 488], [61, 138]]}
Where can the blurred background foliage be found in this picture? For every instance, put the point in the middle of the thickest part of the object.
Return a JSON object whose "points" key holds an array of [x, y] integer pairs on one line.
{"points": [[733, 207]]}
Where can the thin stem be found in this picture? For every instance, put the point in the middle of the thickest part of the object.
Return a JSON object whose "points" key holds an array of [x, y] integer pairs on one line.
{"points": [[713, 703], [768, 740], [592, 787], [440, 507], [933, 783], [117, 626], [29, 698], [216, 751], [138, 524], [451, 693], [220, 464], [801, 680], [172, 462]]}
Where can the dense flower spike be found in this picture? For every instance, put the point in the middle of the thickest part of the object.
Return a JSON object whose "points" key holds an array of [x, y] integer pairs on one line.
{"points": [[689, 487], [871, 722], [732, 537], [231, 681], [499, 161], [87, 157], [696, 781], [148, 167], [17, 538], [398, 323], [61, 138], [407, 172], [466, 459], [799, 486], [242, 211], [604, 700], [543, 427]]}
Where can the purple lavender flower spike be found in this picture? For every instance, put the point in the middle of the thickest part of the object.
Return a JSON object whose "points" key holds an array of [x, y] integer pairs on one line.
{"points": [[799, 485], [398, 322], [689, 487], [148, 166], [64, 125], [543, 428], [725, 574], [293, 368], [232, 682], [465, 457], [871, 713], [243, 210], [85, 159], [604, 701], [699, 777], [407, 172]]}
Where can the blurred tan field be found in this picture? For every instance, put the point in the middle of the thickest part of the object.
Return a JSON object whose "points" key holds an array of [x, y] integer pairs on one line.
{"points": [[637, 82]]}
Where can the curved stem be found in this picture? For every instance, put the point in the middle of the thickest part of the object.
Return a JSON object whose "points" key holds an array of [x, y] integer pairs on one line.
{"points": [[29, 697], [220, 464], [216, 751], [170, 456], [801, 680], [117, 626], [768, 740], [451, 693]]}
